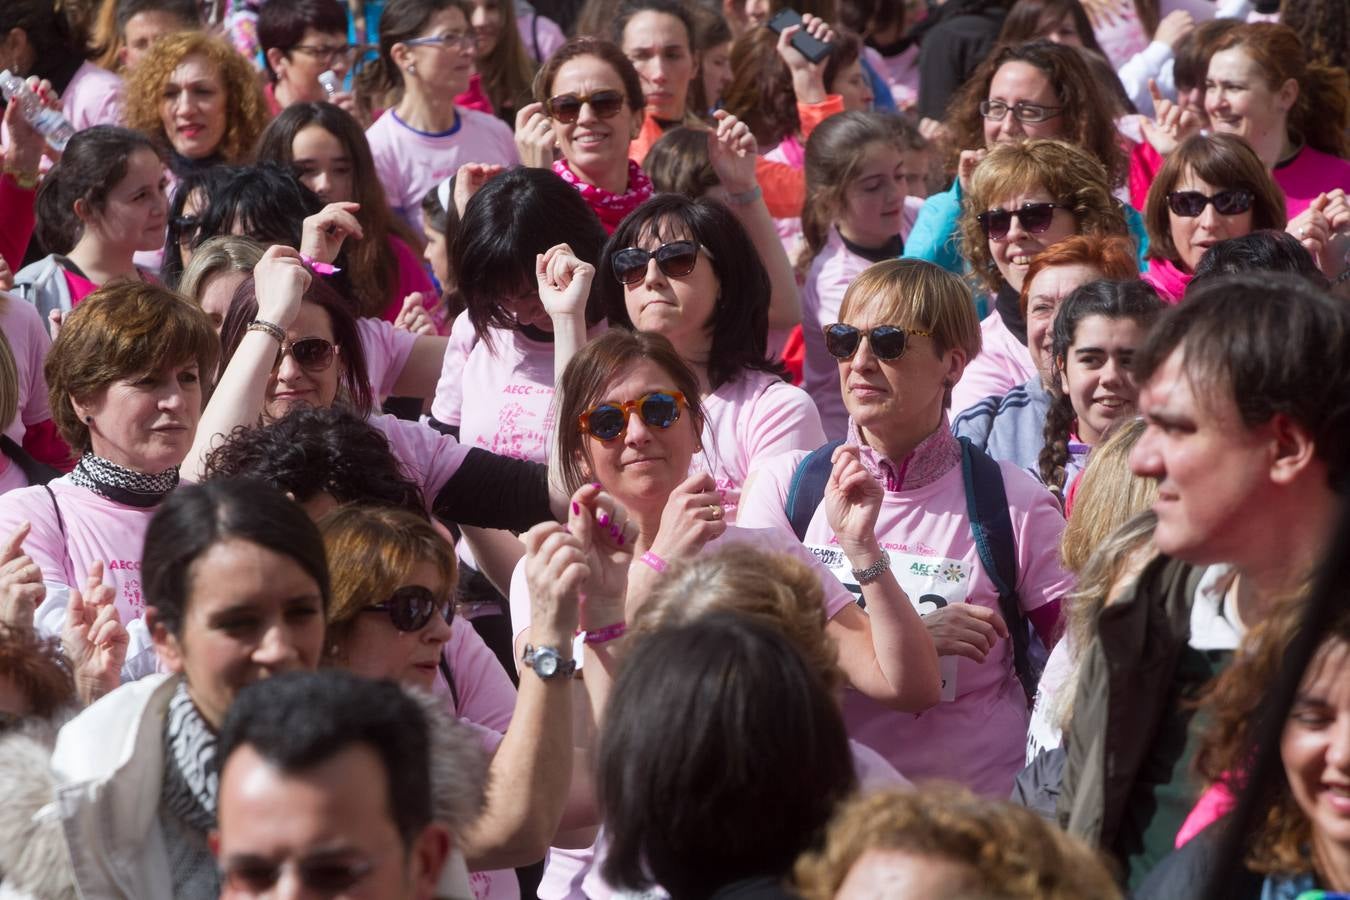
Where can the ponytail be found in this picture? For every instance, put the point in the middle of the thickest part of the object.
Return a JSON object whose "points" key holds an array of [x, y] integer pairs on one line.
{"points": [[1322, 112], [94, 162]]}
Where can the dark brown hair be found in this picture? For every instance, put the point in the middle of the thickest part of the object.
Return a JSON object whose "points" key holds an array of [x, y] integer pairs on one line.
{"points": [[594, 367], [1194, 50], [603, 50], [1029, 19], [1225, 161]]}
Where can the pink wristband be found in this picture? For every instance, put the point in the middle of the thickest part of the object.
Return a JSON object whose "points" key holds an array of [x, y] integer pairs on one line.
{"points": [[657, 563], [606, 634], [320, 268]]}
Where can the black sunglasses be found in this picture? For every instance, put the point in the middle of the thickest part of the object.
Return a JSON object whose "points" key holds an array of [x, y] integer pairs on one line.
{"points": [[322, 876], [313, 354], [1189, 204], [411, 607], [675, 260], [609, 420], [1035, 218], [566, 108], [887, 341]]}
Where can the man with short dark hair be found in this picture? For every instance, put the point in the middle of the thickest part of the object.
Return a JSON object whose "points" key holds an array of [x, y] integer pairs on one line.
{"points": [[1245, 389], [300, 40], [325, 789]]}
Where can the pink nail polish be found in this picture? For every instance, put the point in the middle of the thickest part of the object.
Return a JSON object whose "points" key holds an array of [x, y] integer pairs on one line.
{"points": [[603, 520], [620, 541], [576, 510]]}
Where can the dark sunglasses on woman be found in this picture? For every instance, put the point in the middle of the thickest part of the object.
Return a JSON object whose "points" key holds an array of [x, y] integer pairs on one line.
{"points": [[675, 260], [888, 342], [1190, 204], [1035, 219], [411, 607], [566, 108], [609, 420], [312, 354]]}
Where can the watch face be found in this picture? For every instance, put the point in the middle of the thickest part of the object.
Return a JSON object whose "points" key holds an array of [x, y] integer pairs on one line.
{"points": [[545, 664]]}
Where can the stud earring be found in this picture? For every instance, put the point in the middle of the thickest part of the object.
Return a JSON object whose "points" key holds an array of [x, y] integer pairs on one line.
{"points": [[89, 420], [412, 68]]}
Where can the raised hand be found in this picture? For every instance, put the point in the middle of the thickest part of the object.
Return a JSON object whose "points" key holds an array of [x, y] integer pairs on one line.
{"points": [[322, 234], [21, 587], [414, 316], [733, 153], [26, 143], [94, 638], [1318, 227], [564, 281], [965, 167], [808, 78], [469, 179], [281, 280], [693, 516], [1171, 124], [964, 629], [1173, 27], [852, 503], [535, 139], [555, 570], [609, 553]]}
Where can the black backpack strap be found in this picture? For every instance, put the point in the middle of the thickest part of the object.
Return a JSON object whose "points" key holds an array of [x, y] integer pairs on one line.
{"points": [[36, 472], [807, 488], [991, 528]]}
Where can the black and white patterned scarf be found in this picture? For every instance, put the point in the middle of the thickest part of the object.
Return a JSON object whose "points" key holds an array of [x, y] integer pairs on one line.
{"points": [[123, 485], [191, 773]]}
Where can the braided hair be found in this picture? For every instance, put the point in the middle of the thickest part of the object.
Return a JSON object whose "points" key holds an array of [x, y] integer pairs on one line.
{"points": [[1113, 299]]}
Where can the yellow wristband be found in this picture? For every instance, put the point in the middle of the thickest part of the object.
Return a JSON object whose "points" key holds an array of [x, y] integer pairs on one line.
{"points": [[26, 180]]}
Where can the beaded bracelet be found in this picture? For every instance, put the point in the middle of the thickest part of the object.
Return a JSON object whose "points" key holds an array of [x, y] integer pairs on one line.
{"points": [[606, 634], [26, 180], [655, 562], [268, 328]]}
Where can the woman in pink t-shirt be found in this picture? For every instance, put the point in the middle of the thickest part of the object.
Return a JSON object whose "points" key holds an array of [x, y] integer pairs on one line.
{"points": [[100, 205], [329, 153], [125, 376], [687, 270], [907, 329], [1210, 189]]}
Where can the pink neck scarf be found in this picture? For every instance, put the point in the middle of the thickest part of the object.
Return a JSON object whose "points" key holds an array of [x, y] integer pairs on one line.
{"points": [[609, 207]]}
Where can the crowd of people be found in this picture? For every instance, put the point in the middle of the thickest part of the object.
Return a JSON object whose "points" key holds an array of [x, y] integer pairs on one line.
{"points": [[483, 449]]}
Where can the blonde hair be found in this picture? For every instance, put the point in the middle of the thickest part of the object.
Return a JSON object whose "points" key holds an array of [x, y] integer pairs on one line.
{"points": [[1071, 175], [222, 253], [245, 107], [1012, 853], [911, 293], [371, 551], [774, 589], [1108, 495]]}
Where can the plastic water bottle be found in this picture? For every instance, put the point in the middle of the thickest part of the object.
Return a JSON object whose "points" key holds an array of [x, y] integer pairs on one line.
{"points": [[46, 121], [330, 81]]}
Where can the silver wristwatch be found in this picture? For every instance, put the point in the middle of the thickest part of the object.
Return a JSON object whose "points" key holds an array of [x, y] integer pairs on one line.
{"points": [[874, 571], [548, 663]]}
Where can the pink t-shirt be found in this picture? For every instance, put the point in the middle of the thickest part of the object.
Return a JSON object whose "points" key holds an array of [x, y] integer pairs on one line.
{"points": [[410, 163], [80, 287], [412, 278], [751, 419], [28, 341], [976, 735], [387, 350], [1003, 363], [541, 35], [11, 476], [831, 272], [500, 396], [901, 72], [95, 528], [1312, 172], [427, 456], [93, 97]]}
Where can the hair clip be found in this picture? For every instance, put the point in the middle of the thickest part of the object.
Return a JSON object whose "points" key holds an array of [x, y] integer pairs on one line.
{"points": [[319, 268]]}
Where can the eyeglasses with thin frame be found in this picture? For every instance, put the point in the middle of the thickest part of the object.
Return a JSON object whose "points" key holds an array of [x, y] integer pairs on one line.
{"points": [[1191, 204], [344, 52], [566, 108], [888, 342], [311, 354], [608, 421], [675, 260], [1021, 110], [463, 40], [411, 607], [320, 874], [1035, 219]]}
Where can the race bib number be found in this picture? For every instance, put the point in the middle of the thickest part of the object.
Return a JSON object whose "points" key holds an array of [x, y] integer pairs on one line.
{"points": [[930, 582]]}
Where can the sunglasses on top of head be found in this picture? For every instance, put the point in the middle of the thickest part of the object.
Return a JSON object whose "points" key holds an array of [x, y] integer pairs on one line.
{"points": [[1035, 219], [312, 354], [608, 421], [888, 342], [1191, 204], [675, 260], [566, 108], [411, 607]]}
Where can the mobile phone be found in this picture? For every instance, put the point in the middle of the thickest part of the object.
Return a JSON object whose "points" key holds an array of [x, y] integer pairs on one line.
{"points": [[813, 49]]}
